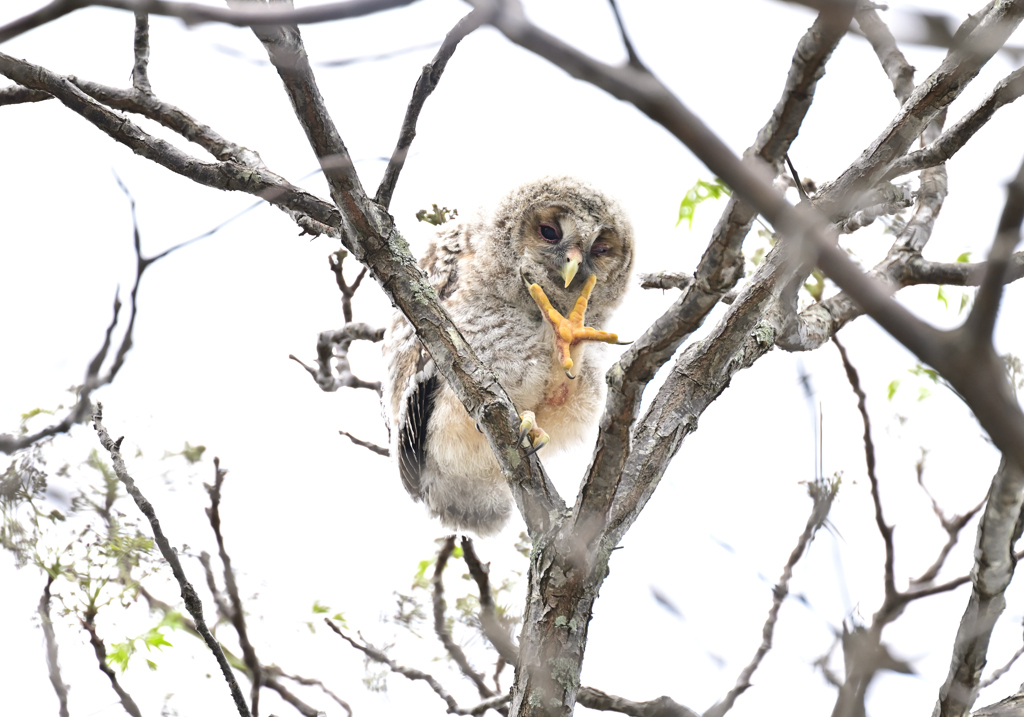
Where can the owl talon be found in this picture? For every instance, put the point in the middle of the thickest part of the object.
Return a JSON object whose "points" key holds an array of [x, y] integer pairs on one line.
{"points": [[570, 330], [531, 434]]}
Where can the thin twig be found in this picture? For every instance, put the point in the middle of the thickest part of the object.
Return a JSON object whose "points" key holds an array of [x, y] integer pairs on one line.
{"points": [[634, 59], [822, 493], [379, 450], [89, 623], [237, 613], [50, 638], [869, 458], [425, 86], [440, 621], [192, 602], [140, 72], [489, 622]]}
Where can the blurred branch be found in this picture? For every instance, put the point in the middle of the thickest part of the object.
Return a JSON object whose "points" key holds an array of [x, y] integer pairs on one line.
{"points": [[333, 368], [93, 380], [666, 280], [50, 639], [660, 707], [489, 623], [192, 602], [195, 14], [822, 493], [896, 67], [440, 621]]}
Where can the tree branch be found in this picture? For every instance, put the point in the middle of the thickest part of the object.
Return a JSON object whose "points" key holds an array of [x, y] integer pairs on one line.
{"points": [[195, 14], [192, 602], [50, 638], [425, 86], [998, 531]]}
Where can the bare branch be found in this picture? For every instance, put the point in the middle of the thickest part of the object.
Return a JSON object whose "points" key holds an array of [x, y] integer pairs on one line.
{"points": [[333, 368], [666, 280], [822, 493], [379, 450], [425, 86], [634, 59], [660, 707], [722, 264], [440, 626], [998, 531], [272, 672], [869, 458], [195, 14], [16, 94], [408, 672], [237, 613], [50, 638], [896, 67], [952, 526], [140, 72], [192, 602], [89, 623], [953, 139], [982, 320], [492, 628]]}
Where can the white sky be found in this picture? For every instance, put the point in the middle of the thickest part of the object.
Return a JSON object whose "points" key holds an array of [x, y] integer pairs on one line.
{"points": [[308, 516]]}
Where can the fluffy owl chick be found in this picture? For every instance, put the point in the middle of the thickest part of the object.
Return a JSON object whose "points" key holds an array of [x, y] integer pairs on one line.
{"points": [[556, 233]]}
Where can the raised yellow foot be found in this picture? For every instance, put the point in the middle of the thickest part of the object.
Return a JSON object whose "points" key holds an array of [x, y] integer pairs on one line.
{"points": [[570, 330]]}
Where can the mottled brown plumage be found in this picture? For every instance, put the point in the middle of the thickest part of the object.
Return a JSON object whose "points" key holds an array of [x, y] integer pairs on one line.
{"points": [[557, 233]]}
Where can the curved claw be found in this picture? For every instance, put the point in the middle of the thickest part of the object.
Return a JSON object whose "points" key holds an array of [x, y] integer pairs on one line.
{"points": [[569, 375], [623, 343]]}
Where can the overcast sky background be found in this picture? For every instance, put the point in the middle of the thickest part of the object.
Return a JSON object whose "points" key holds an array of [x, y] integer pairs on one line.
{"points": [[308, 516]]}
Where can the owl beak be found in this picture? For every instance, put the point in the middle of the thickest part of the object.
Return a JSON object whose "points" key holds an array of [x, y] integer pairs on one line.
{"points": [[573, 257]]}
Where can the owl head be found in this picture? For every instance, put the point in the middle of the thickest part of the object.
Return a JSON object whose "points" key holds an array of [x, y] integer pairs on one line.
{"points": [[556, 232]]}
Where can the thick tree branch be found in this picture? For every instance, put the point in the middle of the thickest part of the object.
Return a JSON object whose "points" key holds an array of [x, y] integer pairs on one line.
{"points": [[370, 235], [896, 67], [998, 531]]}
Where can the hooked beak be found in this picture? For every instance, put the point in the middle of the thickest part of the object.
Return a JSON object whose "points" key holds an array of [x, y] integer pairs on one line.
{"points": [[573, 257]]}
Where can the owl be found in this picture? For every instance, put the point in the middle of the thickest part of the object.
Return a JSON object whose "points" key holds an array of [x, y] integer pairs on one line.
{"points": [[554, 245]]}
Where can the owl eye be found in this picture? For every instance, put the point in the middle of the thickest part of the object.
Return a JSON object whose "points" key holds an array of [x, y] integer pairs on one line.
{"points": [[600, 248], [550, 233]]}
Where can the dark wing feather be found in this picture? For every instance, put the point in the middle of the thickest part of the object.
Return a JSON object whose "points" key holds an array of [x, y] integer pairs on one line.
{"points": [[412, 441]]}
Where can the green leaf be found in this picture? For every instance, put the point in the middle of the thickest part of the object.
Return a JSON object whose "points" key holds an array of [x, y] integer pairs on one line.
{"points": [[457, 552], [438, 216], [319, 609], [151, 665], [193, 454], [340, 618], [700, 192], [893, 385], [965, 299], [155, 638], [942, 296], [119, 653], [923, 393], [965, 257], [923, 372]]}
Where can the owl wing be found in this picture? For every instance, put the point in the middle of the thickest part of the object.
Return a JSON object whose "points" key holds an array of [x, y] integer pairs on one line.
{"points": [[413, 380]]}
